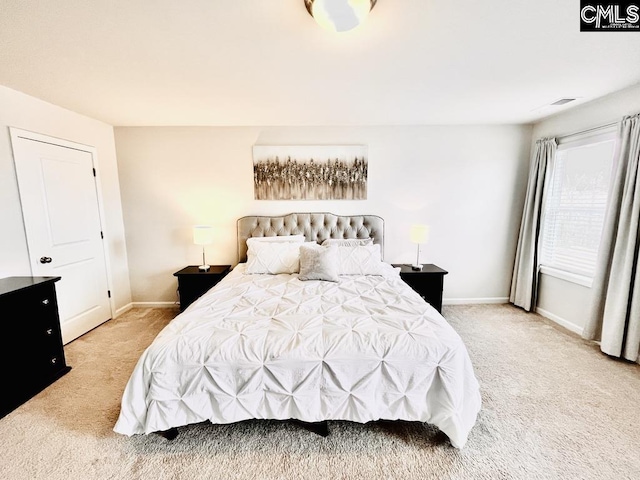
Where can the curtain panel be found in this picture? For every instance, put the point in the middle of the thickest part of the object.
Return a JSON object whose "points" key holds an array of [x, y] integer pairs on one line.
{"points": [[614, 315], [524, 283]]}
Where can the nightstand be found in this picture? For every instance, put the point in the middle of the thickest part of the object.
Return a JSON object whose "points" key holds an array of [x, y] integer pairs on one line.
{"points": [[193, 282], [428, 282]]}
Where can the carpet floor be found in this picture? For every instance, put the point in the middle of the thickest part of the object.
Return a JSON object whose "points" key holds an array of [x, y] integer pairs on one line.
{"points": [[554, 407]]}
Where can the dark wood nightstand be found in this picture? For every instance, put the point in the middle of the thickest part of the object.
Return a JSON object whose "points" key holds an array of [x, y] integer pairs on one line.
{"points": [[428, 282], [192, 282]]}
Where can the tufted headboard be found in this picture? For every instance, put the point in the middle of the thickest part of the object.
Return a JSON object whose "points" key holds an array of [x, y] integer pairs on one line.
{"points": [[314, 226]]}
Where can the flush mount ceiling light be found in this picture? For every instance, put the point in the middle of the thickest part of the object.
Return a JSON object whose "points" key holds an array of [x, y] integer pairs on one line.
{"points": [[563, 101], [339, 15]]}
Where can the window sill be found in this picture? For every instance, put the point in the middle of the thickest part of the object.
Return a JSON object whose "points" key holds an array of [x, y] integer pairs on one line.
{"points": [[567, 276]]}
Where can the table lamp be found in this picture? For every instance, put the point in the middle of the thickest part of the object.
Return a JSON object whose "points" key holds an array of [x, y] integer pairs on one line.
{"points": [[203, 235], [418, 234]]}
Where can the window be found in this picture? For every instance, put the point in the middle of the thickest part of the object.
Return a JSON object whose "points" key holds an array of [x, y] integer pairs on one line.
{"points": [[575, 204]]}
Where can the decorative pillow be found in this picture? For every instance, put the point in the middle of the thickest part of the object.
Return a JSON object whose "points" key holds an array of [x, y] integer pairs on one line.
{"points": [[348, 242], [273, 257], [318, 262], [360, 260]]}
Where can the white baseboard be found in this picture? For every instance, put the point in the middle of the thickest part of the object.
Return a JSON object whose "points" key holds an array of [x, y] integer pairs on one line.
{"points": [[560, 321], [122, 310], [156, 305], [474, 301]]}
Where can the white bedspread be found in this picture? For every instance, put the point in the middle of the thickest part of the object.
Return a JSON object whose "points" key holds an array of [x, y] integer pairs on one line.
{"points": [[275, 347]]}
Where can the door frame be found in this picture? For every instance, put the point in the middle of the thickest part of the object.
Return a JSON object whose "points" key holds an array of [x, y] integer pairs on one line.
{"points": [[17, 133]]}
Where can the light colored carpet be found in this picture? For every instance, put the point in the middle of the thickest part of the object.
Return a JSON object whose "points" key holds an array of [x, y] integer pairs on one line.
{"points": [[554, 407]]}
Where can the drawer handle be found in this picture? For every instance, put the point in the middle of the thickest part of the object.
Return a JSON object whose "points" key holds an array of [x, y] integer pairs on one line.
{"points": [[54, 360], [49, 331], [45, 301]]}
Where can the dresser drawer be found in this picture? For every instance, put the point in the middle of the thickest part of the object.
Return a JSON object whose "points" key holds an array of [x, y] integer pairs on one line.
{"points": [[48, 363], [31, 323]]}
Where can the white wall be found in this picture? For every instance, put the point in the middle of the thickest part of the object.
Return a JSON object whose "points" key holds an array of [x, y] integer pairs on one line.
{"points": [[558, 299], [25, 112], [466, 182]]}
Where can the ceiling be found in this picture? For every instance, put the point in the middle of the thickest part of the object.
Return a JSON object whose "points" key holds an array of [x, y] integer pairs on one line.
{"points": [[266, 62]]}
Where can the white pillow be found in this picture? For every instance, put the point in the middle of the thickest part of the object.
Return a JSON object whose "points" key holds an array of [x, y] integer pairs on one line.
{"points": [[276, 238], [318, 262], [360, 260], [273, 257], [347, 242]]}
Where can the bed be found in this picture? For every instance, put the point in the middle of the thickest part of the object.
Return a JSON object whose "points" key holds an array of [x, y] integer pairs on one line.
{"points": [[311, 325]]}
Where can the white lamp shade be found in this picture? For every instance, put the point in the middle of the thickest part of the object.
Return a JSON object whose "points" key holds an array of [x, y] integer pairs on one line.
{"points": [[202, 234], [340, 15], [419, 233]]}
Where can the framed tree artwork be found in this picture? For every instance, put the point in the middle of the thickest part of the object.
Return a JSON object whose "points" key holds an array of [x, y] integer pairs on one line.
{"points": [[310, 172]]}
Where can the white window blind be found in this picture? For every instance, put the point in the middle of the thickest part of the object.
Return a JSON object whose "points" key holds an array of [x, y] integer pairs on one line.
{"points": [[575, 204]]}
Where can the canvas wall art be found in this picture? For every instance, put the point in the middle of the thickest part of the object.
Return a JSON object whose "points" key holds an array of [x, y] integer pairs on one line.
{"points": [[310, 172]]}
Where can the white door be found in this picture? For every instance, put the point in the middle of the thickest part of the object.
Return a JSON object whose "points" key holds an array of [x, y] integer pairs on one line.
{"points": [[61, 214]]}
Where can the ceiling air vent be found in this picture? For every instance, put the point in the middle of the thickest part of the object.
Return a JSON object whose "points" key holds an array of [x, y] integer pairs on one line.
{"points": [[563, 101]]}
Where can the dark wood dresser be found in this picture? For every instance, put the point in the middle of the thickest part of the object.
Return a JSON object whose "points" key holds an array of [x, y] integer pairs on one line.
{"points": [[33, 355]]}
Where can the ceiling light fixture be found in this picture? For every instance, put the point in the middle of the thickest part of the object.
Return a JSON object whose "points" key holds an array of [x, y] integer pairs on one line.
{"points": [[563, 101], [339, 15]]}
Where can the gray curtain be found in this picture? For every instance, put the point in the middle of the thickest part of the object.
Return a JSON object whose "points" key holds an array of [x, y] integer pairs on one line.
{"points": [[615, 309], [524, 282]]}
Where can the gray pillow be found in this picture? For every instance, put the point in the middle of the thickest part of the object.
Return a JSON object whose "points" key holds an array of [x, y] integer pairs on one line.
{"points": [[318, 262]]}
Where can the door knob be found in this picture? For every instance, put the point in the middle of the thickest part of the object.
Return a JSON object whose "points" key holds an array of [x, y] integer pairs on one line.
{"points": [[45, 259]]}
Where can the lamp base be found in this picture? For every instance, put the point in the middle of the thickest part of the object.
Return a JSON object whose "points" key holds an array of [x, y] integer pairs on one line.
{"points": [[204, 268], [416, 267]]}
